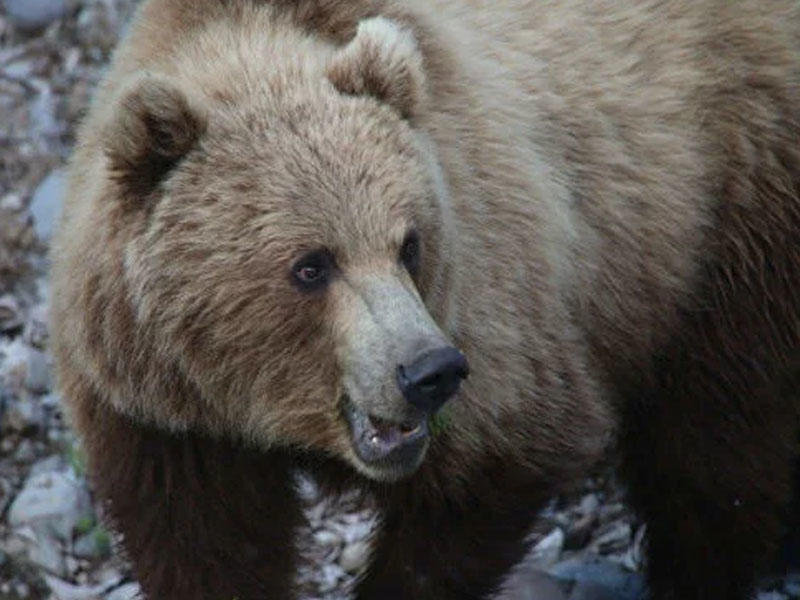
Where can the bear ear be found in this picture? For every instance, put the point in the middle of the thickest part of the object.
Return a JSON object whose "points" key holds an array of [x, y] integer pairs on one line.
{"points": [[383, 61], [153, 127]]}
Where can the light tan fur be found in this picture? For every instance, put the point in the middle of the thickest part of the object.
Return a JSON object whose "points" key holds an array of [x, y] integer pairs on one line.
{"points": [[563, 160]]}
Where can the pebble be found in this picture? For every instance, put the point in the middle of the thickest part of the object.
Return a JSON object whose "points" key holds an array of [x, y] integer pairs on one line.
{"points": [[23, 416], [36, 333], [612, 538], [331, 575], [52, 503], [46, 203], [531, 584], [64, 590], [770, 596], [548, 550], [38, 374], [594, 576], [87, 546], [12, 202], [46, 553], [25, 452], [10, 313], [129, 591], [48, 464], [325, 537], [31, 15], [355, 556], [24, 367]]}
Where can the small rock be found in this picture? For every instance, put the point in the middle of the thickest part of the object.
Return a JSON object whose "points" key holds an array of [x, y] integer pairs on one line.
{"points": [[589, 504], [72, 564], [529, 584], [36, 327], [46, 553], [355, 556], [307, 489], [331, 575], [548, 550], [25, 367], [770, 596], [37, 375], [31, 15], [67, 591], [325, 537], [613, 539], [23, 416], [25, 452], [49, 464], [22, 590], [46, 203], [10, 313], [12, 201], [579, 532], [53, 503], [129, 591], [600, 574], [88, 546]]}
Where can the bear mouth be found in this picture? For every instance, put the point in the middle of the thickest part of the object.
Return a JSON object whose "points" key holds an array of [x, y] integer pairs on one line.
{"points": [[393, 448]]}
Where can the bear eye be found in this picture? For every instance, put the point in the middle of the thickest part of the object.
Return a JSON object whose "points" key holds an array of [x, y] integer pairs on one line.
{"points": [[313, 271], [409, 252]]}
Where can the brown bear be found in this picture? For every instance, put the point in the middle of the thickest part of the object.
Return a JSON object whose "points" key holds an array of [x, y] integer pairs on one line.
{"points": [[446, 251]]}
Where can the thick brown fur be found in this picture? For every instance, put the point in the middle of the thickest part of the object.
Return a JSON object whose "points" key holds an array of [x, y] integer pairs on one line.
{"points": [[608, 197]]}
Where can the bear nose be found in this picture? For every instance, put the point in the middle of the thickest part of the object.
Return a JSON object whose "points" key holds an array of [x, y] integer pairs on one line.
{"points": [[430, 380]]}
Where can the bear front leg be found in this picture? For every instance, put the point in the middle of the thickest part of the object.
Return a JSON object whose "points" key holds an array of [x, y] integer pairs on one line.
{"points": [[201, 518], [708, 460], [450, 539]]}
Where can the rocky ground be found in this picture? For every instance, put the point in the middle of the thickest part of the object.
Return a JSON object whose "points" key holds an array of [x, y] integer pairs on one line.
{"points": [[52, 540]]}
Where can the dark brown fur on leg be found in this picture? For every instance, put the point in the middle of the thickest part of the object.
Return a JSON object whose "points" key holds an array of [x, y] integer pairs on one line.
{"points": [[710, 441], [713, 486], [440, 544], [202, 518]]}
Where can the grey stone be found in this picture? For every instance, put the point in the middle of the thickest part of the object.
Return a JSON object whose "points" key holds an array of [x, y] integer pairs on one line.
{"points": [[548, 550], [23, 415], [129, 591], [87, 546], [53, 503], [31, 15], [46, 203], [47, 554], [25, 452], [325, 537], [38, 374], [355, 556], [530, 584], [10, 313], [770, 596], [64, 590], [613, 538], [598, 575], [49, 464]]}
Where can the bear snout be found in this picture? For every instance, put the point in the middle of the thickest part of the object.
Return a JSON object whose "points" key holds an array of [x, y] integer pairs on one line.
{"points": [[432, 378]]}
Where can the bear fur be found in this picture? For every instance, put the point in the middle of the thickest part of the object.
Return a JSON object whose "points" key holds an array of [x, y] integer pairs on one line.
{"points": [[607, 198]]}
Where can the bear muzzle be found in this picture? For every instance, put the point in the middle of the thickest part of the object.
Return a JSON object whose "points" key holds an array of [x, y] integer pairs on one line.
{"points": [[430, 380], [395, 448]]}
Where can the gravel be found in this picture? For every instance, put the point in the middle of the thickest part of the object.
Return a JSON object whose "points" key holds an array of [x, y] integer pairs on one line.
{"points": [[30, 15], [53, 544]]}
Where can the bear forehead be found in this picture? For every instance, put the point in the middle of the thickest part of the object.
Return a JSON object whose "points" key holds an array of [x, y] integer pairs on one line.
{"points": [[344, 176], [342, 153]]}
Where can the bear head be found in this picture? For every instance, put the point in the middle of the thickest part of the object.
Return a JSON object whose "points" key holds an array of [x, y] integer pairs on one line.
{"points": [[285, 227]]}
